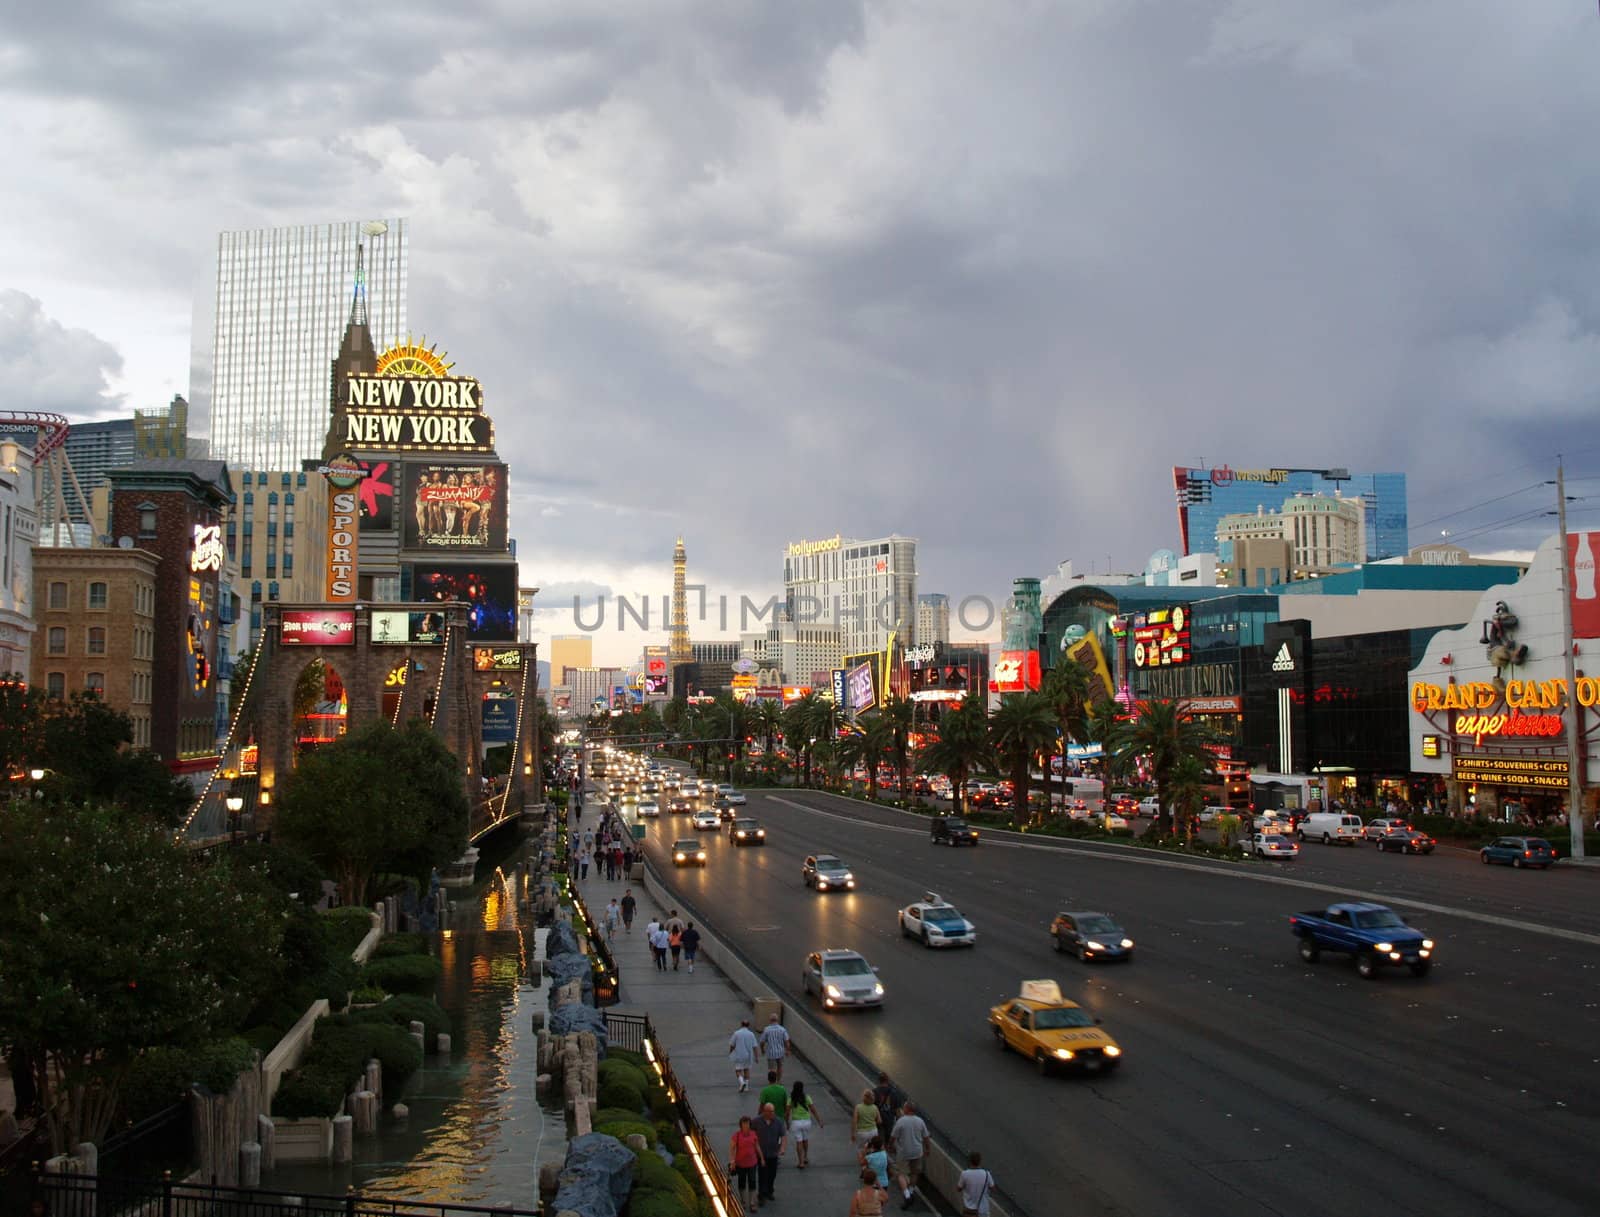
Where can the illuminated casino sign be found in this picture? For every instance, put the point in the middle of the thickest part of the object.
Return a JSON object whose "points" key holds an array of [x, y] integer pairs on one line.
{"points": [[208, 552], [413, 404], [1161, 638]]}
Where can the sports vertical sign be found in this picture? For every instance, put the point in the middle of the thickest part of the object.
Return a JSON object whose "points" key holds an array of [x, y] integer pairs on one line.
{"points": [[344, 474]]}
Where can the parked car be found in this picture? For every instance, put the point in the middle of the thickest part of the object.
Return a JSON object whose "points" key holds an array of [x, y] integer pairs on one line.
{"points": [[841, 978], [1378, 937], [1406, 841], [1331, 828], [1090, 936], [827, 874], [1520, 852], [1110, 820], [953, 830]]}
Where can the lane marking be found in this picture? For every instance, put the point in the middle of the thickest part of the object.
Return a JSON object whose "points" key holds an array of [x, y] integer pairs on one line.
{"points": [[1509, 923]]}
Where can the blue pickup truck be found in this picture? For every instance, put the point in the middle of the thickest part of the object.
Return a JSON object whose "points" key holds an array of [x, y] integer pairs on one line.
{"points": [[1378, 937]]}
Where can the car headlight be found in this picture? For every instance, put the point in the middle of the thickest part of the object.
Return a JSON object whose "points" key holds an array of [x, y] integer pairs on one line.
{"points": [[832, 991], [1384, 946], [1127, 944], [849, 882], [1427, 944], [935, 931], [1096, 946], [877, 990], [822, 883], [1064, 1054], [677, 857], [762, 834], [1112, 1050]]}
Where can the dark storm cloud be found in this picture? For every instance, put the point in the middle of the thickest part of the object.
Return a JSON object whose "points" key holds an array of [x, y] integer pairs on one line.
{"points": [[979, 274], [50, 367]]}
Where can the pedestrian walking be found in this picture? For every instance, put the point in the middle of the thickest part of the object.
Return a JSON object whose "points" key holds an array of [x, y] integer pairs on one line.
{"points": [[875, 1157], [974, 1184], [659, 942], [628, 905], [742, 1048], [650, 928], [583, 865], [675, 945], [803, 1116], [674, 922], [588, 838], [864, 1123], [775, 1093], [775, 1043], [772, 1133], [909, 1139], [691, 945], [744, 1159], [889, 1099], [613, 918], [868, 1199]]}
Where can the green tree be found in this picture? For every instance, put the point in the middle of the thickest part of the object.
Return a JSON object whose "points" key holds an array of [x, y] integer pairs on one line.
{"points": [[1066, 691], [376, 801], [962, 746], [1187, 786], [900, 715], [868, 746], [1100, 727], [119, 940], [83, 743], [799, 730], [242, 665], [1025, 726], [1163, 734], [21, 724], [766, 719]]}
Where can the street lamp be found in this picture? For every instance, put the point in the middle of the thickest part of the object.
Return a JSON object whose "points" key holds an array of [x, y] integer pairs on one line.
{"points": [[235, 805], [36, 774]]}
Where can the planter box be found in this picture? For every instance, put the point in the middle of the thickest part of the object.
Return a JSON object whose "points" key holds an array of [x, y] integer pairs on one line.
{"points": [[305, 1140]]}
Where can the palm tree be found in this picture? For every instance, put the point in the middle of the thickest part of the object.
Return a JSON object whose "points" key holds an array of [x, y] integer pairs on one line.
{"points": [[1188, 787], [1163, 734], [961, 747], [867, 745], [1024, 726], [1100, 727], [899, 714], [797, 731], [1066, 690], [767, 720]]}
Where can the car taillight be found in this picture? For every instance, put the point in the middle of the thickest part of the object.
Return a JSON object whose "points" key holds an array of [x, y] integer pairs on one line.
{"points": [[1527, 853]]}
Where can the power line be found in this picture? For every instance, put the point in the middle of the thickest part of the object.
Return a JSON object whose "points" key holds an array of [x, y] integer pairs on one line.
{"points": [[1482, 503]]}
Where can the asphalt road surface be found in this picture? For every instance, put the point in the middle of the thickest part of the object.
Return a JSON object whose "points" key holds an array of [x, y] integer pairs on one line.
{"points": [[1252, 1084]]}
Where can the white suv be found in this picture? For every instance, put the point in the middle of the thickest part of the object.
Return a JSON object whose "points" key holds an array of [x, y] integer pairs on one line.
{"points": [[1331, 828], [1150, 806]]}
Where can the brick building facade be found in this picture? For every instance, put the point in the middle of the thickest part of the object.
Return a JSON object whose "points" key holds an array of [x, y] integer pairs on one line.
{"points": [[96, 627], [176, 509]]}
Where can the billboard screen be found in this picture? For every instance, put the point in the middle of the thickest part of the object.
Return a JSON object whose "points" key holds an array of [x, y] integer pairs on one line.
{"points": [[655, 684], [858, 688], [493, 659], [490, 591], [454, 507], [376, 496], [499, 718], [318, 628], [402, 627], [1017, 671]]}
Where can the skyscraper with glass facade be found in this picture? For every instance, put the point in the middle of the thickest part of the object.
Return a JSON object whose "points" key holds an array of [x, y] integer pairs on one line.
{"points": [[283, 297], [1206, 495]]}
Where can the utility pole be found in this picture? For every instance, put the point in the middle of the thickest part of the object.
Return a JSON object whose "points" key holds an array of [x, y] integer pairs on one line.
{"points": [[1575, 754]]}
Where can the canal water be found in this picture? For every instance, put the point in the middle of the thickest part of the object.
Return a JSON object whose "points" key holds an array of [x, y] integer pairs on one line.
{"points": [[477, 1132]]}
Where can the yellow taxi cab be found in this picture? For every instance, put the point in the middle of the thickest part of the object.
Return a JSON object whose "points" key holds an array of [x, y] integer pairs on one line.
{"points": [[1052, 1032]]}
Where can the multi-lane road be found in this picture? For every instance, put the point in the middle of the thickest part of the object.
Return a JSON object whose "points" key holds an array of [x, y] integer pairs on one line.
{"points": [[1252, 1084]]}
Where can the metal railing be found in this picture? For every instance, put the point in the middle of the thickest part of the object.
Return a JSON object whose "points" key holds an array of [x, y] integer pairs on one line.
{"points": [[92, 1195], [607, 976], [623, 1030]]}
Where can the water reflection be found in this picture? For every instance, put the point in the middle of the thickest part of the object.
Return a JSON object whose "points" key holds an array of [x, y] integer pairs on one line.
{"points": [[477, 1132]]}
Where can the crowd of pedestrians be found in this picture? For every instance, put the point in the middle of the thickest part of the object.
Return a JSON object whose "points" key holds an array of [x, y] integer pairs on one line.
{"points": [[610, 852]]}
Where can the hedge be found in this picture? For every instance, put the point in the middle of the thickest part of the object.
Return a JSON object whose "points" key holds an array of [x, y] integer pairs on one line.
{"points": [[401, 944], [340, 1049], [161, 1077], [415, 974], [651, 1174], [347, 926], [619, 1092], [402, 1010], [623, 1129]]}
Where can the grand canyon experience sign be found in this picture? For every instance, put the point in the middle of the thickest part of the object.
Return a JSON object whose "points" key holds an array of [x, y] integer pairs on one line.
{"points": [[415, 414]]}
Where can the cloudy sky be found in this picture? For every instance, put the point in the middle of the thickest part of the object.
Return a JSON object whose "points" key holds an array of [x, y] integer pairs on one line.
{"points": [[978, 273]]}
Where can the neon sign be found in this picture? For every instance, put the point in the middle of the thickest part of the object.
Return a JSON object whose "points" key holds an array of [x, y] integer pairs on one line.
{"points": [[208, 548], [1519, 695]]}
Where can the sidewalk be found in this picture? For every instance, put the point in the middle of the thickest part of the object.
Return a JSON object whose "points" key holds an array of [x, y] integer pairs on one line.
{"points": [[693, 1016]]}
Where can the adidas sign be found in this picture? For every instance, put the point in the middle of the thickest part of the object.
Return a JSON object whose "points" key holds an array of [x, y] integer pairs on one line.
{"points": [[1283, 661]]}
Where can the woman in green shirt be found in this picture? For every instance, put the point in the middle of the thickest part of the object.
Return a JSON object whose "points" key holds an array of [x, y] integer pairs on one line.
{"points": [[802, 1113], [866, 1119]]}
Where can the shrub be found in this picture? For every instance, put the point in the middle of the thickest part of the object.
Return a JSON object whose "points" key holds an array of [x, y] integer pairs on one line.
{"points": [[612, 1115], [618, 1092], [624, 1070], [218, 1065], [334, 983], [622, 1129], [309, 1092], [338, 1054], [346, 927], [401, 944], [403, 1009], [651, 1174], [416, 974], [397, 1052], [159, 1078], [265, 1038], [367, 995], [648, 1202]]}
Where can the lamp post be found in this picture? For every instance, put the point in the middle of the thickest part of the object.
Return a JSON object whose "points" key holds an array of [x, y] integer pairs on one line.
{"points": [[235, 805], [36, 775]]}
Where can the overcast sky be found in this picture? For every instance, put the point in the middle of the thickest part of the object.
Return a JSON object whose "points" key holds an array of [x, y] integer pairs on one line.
{"points": [[977, 273]]}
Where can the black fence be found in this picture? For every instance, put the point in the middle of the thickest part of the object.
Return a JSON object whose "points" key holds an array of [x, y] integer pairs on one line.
{"points": [[162, 1142], [607, 976], [633, 1032], [107, 1196]]}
